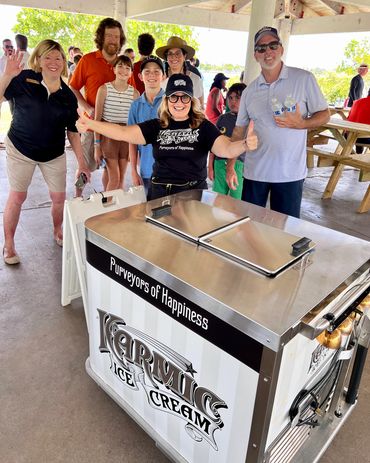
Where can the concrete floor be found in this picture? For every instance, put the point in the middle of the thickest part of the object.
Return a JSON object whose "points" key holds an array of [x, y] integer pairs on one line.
{"points": [[50, 409]]}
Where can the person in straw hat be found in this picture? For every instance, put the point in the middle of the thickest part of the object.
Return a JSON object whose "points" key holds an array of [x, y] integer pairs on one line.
{"points": [[175, 53]]}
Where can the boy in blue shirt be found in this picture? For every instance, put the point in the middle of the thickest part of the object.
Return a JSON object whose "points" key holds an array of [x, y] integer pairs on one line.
{"points": [[143, 109]]}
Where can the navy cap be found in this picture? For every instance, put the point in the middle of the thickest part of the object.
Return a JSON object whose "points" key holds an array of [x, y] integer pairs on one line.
{"points": [[266, 31], [179, 83], [220, 76], [152, 59]]}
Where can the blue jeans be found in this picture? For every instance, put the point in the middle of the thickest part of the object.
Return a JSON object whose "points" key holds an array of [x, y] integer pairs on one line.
{"points": [[284, 197], [147, 187]]}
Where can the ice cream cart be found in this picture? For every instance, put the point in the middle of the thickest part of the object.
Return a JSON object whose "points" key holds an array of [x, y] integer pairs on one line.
{"points": [[229, 332]]}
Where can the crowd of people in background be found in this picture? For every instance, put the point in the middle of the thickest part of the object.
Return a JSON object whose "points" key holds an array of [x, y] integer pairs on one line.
{"points": [[149, 111]]}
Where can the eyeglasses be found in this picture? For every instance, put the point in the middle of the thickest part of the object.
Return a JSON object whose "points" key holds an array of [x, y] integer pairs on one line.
{"points": [[272, 46], [176, 54], [9, 47], [175, 98]]}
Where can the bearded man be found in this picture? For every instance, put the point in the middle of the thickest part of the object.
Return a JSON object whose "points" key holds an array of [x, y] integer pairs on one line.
{"points": [[277, 168], [93, 70]]}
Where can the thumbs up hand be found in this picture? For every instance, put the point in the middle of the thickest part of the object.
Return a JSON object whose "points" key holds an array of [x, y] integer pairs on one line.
{"points": [[252, 140]]}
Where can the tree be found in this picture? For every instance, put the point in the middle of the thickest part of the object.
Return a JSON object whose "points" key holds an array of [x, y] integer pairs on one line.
{"points": [[335, 84], [161, 32], [79, 29], [355, 54], [65, 28]]}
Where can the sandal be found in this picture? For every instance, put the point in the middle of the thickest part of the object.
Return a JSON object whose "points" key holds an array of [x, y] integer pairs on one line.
{"points": [[11, 260]]}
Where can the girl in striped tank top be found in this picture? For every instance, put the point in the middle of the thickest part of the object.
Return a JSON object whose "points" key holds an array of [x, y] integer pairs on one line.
{"points": [[113, 102]]}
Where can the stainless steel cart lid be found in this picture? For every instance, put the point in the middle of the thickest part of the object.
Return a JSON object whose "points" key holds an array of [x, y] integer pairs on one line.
{"points": [[261, 247], [269, 310]]}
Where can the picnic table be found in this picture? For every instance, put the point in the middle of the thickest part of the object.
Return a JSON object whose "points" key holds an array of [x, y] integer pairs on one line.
{"points": [[346, 134]]}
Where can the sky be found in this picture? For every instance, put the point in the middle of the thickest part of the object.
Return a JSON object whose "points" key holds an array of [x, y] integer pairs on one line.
{"points": [[221, 46]]}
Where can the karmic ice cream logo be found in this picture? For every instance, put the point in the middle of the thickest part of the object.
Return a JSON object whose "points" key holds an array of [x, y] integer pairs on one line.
{"points": [[168, 136], [167, 378]]}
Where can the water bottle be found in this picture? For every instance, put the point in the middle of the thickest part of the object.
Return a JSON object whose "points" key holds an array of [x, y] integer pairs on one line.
{"points": [[277, 107], [290, 104]]}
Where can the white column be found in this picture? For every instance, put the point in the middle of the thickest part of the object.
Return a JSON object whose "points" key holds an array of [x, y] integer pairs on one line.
{"points": [[120, 12], [285, 28], [262, 14]]}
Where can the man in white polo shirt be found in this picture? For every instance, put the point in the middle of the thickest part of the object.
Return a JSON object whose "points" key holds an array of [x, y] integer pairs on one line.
{"points": [[278, 166]]}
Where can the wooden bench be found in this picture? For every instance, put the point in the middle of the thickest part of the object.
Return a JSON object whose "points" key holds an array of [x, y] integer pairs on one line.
{"points": [[325, 158], [358, 161]]}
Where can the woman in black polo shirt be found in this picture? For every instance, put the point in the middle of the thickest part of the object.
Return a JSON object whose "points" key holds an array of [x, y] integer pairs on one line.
{"points": [[44, 107], [181, 139]]}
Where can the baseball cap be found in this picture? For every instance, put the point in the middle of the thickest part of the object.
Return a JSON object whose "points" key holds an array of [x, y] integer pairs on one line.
{"points": [[266, 30], [220, 76], [179, 83], [152, 59]]}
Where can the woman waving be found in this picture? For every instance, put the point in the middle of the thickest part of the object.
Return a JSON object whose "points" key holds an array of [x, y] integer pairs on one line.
{"points": [[44, 107]]}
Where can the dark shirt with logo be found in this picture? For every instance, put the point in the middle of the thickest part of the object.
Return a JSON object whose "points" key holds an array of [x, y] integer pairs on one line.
{"points": [[226, 123], [180, 153], [40, 120]]}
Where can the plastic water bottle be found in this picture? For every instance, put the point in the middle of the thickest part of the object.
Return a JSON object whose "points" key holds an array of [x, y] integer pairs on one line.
{"points": [[277, 107], [290, 104]]}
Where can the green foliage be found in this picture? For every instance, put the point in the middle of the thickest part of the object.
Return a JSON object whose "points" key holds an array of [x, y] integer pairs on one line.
{"points": [[334, 85], [79, 29], [355, 54], [231, 68], [65, 28], [161, 32]]}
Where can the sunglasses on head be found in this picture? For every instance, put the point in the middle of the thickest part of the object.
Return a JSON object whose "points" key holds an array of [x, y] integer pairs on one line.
{"points": [[272, 46], [175, 98]]}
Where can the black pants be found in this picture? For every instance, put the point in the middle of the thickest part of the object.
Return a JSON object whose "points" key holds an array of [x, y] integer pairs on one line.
{"points": [[160, 187], [365, 141]]}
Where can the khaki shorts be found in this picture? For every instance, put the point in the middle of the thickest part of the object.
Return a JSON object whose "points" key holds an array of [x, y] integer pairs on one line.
{"points": [[87, 142], [21, 168]]}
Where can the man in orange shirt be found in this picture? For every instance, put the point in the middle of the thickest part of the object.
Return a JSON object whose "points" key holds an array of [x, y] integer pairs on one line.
{"points": [[93, 70]]}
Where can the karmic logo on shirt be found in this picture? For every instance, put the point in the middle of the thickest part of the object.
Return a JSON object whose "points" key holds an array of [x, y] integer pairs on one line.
{"points": [[167, 137]]}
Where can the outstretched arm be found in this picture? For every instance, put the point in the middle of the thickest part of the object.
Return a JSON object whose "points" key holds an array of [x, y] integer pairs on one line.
{"points": [[225, 148], [129, 133]]}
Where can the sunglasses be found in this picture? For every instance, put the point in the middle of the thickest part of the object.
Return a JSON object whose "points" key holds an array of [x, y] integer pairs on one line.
{"points": [[175, 98], [272, 46], [10, 47]]}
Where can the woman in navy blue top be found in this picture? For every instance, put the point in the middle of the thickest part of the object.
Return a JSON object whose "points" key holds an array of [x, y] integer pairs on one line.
{"points": [[44, 107]]}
